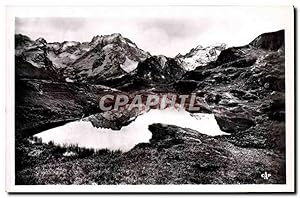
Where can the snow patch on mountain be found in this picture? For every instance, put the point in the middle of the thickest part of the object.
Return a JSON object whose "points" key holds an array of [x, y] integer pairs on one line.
{"points": [[162, 60], [129, 65], [69, 80], [67, 44]]}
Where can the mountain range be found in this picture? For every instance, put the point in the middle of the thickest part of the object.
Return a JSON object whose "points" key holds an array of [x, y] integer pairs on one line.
{"points": [[106, 57], [242, 86]]}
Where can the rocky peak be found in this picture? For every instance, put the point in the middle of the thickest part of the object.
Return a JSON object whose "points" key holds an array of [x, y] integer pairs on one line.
{"points": [[32, 52], [108, 55], [162, 60], [199, 47], [22, 40], [269, 41], [106, 38], [96, 39], [41, 41], [115, 38], [159, 69], [116, 35]]}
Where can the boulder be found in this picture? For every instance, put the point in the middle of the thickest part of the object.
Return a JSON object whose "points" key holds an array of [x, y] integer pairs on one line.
{"points": [[234, 123]]}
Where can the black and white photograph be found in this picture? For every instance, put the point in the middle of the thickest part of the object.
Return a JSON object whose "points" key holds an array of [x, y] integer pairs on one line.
{"points": [[184, 98]]}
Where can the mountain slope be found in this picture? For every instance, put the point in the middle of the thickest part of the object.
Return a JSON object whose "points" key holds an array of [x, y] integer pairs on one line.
{"points": [[31, 59], [269, 41], [64, 54], [245, 89], [112, 56]]}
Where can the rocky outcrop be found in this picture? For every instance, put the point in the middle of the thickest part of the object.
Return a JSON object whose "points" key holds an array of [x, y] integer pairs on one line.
{"points": [[159, 69], [22, 41], [114, 120]]}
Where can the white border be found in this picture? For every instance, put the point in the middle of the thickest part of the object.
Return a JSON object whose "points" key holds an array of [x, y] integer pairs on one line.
{"points": [[55, 11]]}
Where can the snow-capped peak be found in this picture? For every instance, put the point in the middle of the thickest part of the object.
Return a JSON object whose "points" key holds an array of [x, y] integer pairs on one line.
{"points": [[67, 44], [115, 38], [108, 55], [200, 56]]}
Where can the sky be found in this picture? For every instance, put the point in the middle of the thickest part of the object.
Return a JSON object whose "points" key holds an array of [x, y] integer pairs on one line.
{"points": [[166, 31]]}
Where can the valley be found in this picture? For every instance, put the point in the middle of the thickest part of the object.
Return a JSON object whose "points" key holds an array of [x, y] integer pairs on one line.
{"points": [[241, 89]]}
